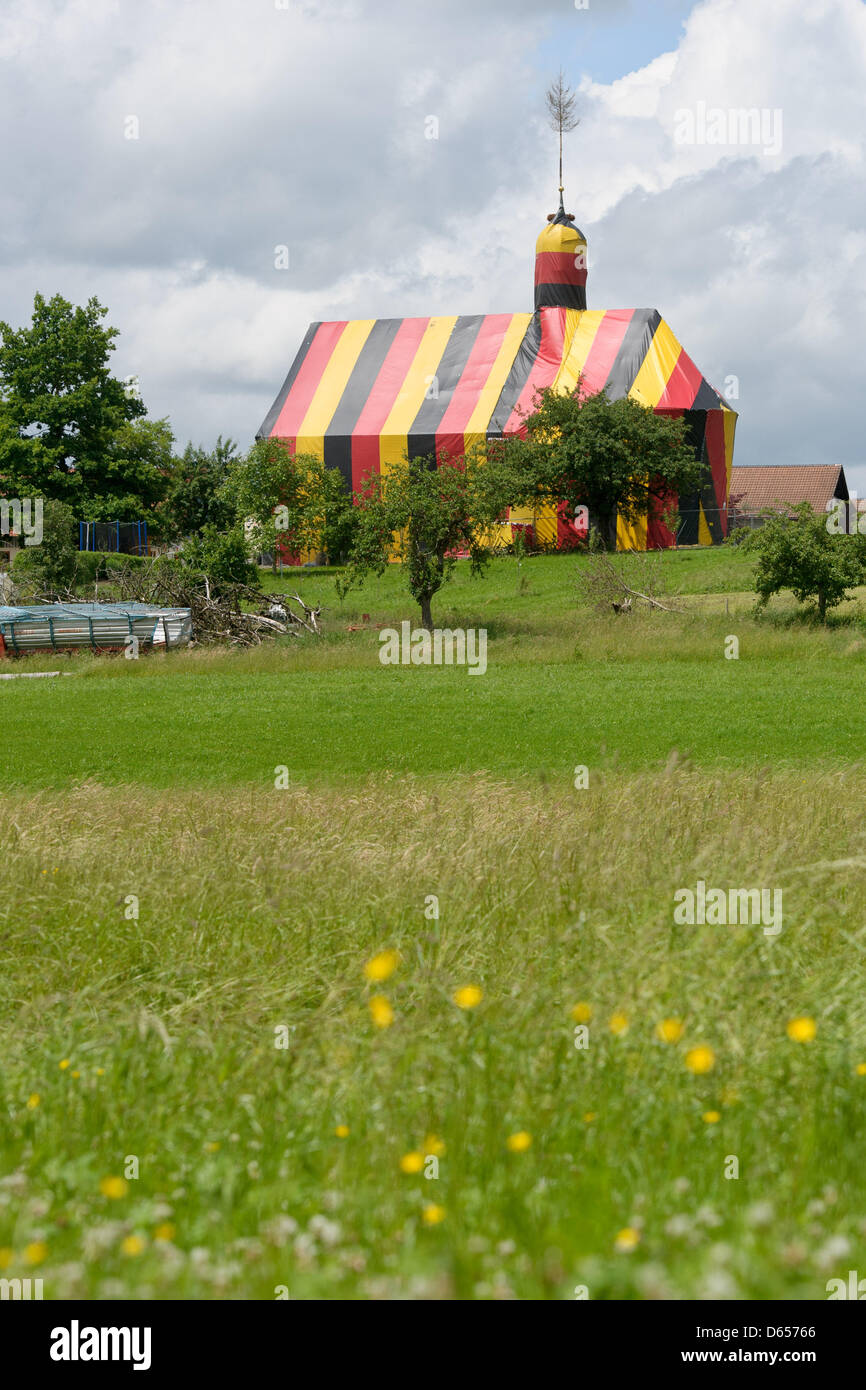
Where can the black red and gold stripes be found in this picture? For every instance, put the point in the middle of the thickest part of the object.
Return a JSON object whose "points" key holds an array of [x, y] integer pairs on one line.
{"points": [[363, 394], [560, 265]]}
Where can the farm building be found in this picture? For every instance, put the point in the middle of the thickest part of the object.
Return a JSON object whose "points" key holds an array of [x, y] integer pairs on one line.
{"points": [[781, 487], [364, 393]]}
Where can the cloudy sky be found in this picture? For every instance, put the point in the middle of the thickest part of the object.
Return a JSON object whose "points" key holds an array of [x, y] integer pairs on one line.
{"points": [[158, 154]]}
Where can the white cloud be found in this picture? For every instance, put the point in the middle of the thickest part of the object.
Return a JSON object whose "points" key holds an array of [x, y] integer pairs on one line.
{"points": [[306, 127]]}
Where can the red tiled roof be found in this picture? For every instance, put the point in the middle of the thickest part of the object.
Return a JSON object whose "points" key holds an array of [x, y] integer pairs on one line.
{"points": [[785, 485]]}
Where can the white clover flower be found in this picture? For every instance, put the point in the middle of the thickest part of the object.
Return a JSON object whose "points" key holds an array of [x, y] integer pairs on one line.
{"points": [[760, 1214], [328, 1232], [838, 1247], [678, 1226], [279, 1229]]}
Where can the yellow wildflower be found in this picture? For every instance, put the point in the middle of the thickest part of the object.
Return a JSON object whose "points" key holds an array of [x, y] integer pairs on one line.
{"points": [[670, 1030], [802, 1029], [382, 965], [700, 1059], [113, 1187], [381, 1012]]}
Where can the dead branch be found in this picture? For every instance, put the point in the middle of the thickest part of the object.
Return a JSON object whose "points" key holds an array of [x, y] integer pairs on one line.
{"points": [[603, 583]]}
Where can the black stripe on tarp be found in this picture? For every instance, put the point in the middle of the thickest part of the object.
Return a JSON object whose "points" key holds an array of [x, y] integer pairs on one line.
{"points": [[633, 349], [709, 499], [696, 429], [264, 430], [562, 296], [362, 379], [452, 364], [707, 398], [517, 378]]}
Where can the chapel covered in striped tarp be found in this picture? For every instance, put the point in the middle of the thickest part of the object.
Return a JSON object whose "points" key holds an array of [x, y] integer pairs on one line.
{"points": [[364, 393]]}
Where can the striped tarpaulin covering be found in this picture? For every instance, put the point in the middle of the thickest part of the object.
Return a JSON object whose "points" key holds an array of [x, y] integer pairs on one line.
{"points": [[363, 394]]}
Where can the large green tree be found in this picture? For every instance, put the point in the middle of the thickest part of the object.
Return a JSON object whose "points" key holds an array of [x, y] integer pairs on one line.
{"points": [[616, 458], [69, 429], [193, 497]]}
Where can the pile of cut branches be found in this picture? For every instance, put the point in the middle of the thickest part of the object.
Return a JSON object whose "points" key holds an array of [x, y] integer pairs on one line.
{"points": [[240, 615]]}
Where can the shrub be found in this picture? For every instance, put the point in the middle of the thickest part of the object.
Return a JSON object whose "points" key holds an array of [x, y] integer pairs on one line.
{"points": [[51, 564]]}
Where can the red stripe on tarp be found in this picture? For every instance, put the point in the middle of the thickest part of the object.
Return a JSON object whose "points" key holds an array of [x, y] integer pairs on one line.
{"points": [[558, 268], [379, 403], [714, 438], [659, 536], [543, 371], [568, 533], [683, 385], [605, 347], [479, 364], [297, 402]]}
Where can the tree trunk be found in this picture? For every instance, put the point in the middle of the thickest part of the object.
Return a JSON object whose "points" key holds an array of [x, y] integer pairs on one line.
{"points": [[426, 614], [822, 606], [606, 522]]}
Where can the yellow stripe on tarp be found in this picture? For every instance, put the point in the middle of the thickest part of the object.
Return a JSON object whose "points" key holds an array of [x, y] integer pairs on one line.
{"points": [[559, 236], [655, 372], [704, 536], [475, 432], [581, 326], [730, 420], [546, 530], [631, 535], [393, 440], [332, 384]]}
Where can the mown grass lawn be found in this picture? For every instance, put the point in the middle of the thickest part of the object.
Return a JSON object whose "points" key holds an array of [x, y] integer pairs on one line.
{"points": [[169, 918], [587, 695]]}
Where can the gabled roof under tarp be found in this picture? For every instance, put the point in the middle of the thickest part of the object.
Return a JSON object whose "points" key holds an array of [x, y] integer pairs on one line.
{"points": [[363, 393]]}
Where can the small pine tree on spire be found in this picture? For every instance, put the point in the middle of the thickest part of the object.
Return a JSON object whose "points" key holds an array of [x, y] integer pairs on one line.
{"points": [[561, 114]]}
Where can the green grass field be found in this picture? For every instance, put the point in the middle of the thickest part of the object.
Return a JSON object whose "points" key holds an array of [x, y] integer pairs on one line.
{"points": [[210, 1099]]}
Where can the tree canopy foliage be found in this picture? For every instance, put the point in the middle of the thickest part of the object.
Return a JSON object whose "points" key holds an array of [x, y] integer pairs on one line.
{"points": [[69, 429], [800, 552], [291, 500], [617, 458], [426, 516]]}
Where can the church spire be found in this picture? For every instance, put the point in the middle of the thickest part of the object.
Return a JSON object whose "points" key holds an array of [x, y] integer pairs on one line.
{"points": [[560, 252]]}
